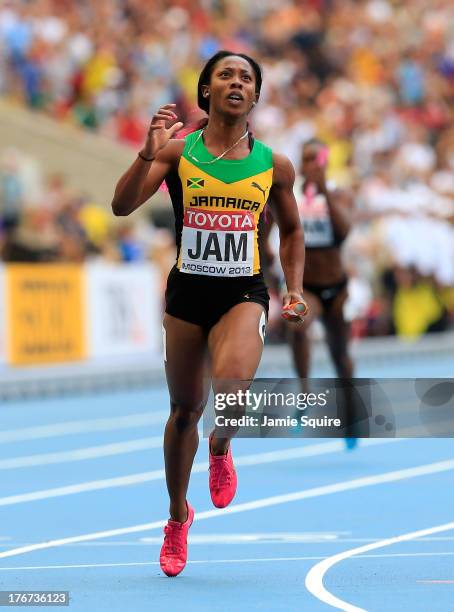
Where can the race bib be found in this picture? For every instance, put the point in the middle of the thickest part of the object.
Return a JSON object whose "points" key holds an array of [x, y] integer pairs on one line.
{"points": [[218, 243], [316, 220]]}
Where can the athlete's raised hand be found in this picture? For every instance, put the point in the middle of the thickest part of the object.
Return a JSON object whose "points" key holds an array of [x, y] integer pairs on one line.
{"points": [[317, 176], [294, 307], [158, 134]]}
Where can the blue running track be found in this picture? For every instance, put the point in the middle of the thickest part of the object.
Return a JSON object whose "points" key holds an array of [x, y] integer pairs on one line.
{"points": [[91, 465]]}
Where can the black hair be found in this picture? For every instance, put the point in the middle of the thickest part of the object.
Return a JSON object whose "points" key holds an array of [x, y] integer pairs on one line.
{"points": [[205, 75], [314, 141]]}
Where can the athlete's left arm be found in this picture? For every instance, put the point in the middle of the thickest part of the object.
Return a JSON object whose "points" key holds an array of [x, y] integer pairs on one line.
{"points": [[340, 205], [285, 212]]}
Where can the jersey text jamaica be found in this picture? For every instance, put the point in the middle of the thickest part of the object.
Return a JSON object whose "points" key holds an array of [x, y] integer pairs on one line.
{"points": [[218, 208]]}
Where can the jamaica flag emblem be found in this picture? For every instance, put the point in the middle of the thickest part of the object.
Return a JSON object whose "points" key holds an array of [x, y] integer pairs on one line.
{"points": [[195, 183]]}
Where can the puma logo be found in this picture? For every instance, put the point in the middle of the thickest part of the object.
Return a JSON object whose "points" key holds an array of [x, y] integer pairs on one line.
{"points": [[257, 186]]}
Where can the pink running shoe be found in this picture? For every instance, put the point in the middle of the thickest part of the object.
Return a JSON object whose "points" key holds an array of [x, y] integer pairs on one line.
{"points": [[223, 478], [174, 551]]}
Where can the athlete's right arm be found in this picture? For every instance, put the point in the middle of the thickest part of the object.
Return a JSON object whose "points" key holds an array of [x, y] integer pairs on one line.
{"points": [[143, 178]]}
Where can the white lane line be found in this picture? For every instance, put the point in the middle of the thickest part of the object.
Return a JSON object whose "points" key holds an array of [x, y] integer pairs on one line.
{"points": [[122, 422], [416, 554], [142, 477], [436, 581], [84, 487], [80, 565], [139, 563], [82, 454], [212, 561], [314, 578], [348, 485], [195, 540], [255, 538], [312, 450], [129, 446], [69, 428]]}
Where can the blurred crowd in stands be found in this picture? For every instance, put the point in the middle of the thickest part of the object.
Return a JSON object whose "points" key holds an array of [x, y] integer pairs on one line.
{"points": [[374, 79]]}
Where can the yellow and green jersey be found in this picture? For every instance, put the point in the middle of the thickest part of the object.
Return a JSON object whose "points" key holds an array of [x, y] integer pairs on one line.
{"points": [[218, 209]]}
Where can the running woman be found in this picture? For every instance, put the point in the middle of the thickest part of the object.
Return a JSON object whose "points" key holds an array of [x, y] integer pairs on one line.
{"points": [[325, 215], [219, 179]]}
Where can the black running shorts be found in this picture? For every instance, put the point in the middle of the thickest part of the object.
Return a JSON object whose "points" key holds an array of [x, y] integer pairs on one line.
{"points": [[203, 300]]}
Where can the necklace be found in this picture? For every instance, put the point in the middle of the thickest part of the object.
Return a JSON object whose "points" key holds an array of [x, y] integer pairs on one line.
{"points": [[211, 161]]}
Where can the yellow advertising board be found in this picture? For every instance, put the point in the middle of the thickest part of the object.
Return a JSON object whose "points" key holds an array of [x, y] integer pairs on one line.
{"points": [[45, 313]]}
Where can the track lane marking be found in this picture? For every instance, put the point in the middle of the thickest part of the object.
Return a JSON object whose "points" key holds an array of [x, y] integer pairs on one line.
{"points": [[81, 454], [69, 428], [142, 477], [357, 483], [211, 561], [314, 578]]}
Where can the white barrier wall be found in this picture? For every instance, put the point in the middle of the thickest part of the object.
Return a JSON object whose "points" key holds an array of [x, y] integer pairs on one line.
{"points": [[123, 309]]}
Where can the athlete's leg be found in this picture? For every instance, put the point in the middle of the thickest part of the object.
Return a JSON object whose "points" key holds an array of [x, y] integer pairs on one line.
{"points": [[337, 335], [236, 346], [187, 371], [352, 410], [299, 337]]}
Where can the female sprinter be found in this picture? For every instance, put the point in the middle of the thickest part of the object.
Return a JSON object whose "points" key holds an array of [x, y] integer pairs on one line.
{"points": [[325, 215], [219, 179]]}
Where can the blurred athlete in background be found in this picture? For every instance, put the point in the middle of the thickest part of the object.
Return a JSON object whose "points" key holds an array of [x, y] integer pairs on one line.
{"points": [[325, 214]]}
